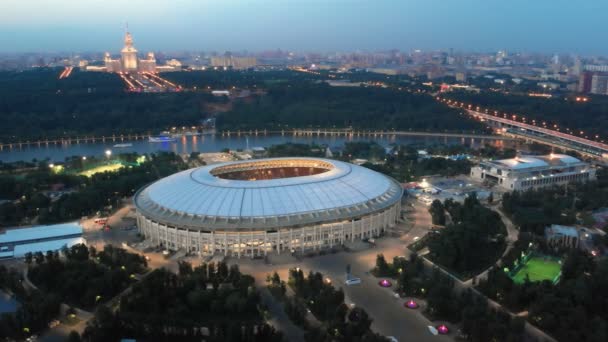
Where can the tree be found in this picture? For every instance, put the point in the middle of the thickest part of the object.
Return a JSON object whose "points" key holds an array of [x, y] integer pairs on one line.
{"points": [[28, 258], [382, 267], [73, 337], [39, 258], [184, 268], [437, 212]]}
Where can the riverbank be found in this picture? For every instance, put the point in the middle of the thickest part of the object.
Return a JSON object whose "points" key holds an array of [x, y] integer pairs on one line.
{"points": [[235, 141]]}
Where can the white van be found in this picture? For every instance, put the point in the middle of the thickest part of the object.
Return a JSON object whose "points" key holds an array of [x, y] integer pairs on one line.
{"points": [[353, 281]]}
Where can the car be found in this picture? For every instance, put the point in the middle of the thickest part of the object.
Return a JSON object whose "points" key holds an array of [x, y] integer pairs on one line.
{"points": [[353, 281]]}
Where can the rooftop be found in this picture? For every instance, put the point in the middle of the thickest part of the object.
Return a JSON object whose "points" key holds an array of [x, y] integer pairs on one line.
{"points": [[563, 230], [39, 232], [529, 162]]}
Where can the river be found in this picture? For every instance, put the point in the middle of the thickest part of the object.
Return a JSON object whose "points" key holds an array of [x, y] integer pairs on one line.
{"points": [[214, 143]]}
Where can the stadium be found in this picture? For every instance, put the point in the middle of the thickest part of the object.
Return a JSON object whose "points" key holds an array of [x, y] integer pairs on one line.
{"points": [[277, 205]]}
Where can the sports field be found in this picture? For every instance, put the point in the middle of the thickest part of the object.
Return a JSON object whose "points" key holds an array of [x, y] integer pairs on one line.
{"points": [[538, 269], [101, 168]]}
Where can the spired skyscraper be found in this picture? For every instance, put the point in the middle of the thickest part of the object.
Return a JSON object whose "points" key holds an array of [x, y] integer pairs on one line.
{"points": [[129, 54]]}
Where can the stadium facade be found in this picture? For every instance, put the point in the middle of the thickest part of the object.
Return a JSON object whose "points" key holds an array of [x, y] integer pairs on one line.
{"points": [[277, 205]]}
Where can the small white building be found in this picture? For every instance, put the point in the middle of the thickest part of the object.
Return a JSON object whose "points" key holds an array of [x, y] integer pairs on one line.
{"points": [[15, 243], [526, 172]]}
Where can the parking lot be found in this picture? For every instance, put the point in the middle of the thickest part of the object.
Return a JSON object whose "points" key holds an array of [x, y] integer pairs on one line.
{"points": [[442, 188]]}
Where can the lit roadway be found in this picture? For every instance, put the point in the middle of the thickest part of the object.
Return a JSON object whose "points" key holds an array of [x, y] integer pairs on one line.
{"points": [[585, 142], [496, 117]]}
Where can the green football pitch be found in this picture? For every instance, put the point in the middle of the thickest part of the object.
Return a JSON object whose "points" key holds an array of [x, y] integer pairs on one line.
{"points": [[538, 269]]}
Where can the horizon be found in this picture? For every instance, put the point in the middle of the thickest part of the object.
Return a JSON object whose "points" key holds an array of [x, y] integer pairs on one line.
{"points": [[312, 26]]}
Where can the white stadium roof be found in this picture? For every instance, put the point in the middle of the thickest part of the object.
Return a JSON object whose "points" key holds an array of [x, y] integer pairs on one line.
{"points": [[198, 199]]}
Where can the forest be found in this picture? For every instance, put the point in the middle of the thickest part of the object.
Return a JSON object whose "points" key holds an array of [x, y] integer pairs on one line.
{"points": [[472, 242], [573, 310], [26, 198], [36, 308], [36, 105], [305, 105], [212, 301], [85, 277]]}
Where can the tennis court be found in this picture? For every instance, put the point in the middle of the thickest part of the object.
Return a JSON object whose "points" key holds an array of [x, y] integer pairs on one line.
{"points": [[538, 269]]}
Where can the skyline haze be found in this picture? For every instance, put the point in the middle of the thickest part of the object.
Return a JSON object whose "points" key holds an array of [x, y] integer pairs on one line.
{"points": [[559, 26]]}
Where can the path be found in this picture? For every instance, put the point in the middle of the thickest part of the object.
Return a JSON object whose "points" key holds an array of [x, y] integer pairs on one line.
{"points": [[512, 236]]}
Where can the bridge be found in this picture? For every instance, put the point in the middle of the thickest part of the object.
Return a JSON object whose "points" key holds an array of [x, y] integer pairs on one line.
{"points": [[321, 132], [533, 132]]}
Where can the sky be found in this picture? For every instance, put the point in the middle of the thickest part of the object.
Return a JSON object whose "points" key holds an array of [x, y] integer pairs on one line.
{"points": [[545, 26]]}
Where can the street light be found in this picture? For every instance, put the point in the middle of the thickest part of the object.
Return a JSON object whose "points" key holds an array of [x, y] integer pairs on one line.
{"points": [[84, 157], [108, 153]]}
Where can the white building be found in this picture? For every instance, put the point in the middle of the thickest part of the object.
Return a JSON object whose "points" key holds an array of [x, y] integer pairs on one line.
{"points": [[15, 243], [525, 172]]}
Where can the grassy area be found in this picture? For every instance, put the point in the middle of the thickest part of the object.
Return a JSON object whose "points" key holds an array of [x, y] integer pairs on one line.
{"points": [[101, 168], [538, 269]]}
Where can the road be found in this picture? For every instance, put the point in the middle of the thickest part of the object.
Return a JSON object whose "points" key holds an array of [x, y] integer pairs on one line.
{"points": [[512, 236], [390, 317]]}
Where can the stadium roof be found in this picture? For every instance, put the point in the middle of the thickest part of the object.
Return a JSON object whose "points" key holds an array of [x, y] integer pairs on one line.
{"points": [[198, 199], [40, 232]]}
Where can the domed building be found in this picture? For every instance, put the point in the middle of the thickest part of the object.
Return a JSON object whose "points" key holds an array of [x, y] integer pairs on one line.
{"points": [[278, 205]]}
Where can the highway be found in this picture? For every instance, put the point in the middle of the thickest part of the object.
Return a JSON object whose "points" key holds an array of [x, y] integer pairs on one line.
{"points": [[496, 118]]}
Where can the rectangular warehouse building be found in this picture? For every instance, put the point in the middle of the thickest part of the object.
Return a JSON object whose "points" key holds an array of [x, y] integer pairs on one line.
{"points": [[15, 243], [525, 172]]}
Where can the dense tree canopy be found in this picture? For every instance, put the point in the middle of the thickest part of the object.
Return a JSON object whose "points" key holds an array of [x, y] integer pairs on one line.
{"points": [[85, 278], [86, 195], [36, 105], [213, 302], [474, 241], [573, 310], [320, 105]]}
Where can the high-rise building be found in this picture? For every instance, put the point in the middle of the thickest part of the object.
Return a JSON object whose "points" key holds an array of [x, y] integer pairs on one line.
{"points": [[129, 55], [578, 67], [234, 62], [596, 68], [584, 82], [599, 84]]}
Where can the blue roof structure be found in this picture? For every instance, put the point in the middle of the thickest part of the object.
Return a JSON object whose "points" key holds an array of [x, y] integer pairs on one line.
{"points": [[39, 232]]}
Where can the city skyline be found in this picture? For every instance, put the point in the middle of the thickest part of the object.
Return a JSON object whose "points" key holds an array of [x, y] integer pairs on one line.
{"points": [[473, 25]]}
